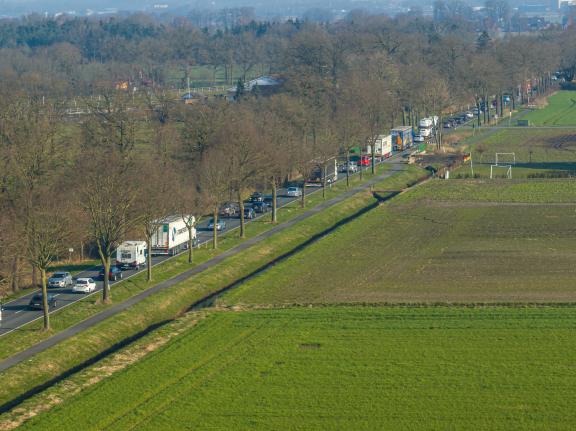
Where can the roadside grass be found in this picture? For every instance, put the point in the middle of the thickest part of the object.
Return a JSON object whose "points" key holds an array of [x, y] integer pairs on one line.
{"points": [[168, 304], [560, 111], [444, 241], [31, 334], [343, 368]]}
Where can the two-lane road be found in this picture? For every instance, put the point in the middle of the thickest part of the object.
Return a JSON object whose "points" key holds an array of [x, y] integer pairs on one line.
{"points": [[17, 313]]}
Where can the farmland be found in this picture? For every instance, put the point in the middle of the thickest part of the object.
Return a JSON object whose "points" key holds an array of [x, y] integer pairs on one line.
{"points": [[446, 241], [360, 368]]}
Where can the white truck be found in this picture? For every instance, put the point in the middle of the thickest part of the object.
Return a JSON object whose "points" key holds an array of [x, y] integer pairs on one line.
{"points": [[426, 123], [382, 147], [317, 176], [131, 254], [172, 236]]}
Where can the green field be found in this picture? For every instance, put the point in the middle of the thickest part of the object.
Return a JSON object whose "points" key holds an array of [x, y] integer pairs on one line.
{"points": [[446, 241], [345, 368], [561, 111]]}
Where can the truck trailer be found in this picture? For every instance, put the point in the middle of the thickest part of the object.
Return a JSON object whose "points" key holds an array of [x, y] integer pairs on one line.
{"points": [[382, 147], [131, 254], [401, 138], [172, 236], [317, 177]]}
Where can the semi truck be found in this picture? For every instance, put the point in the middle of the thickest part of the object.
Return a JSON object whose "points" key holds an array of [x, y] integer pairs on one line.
{"points": [[401, 138], [131, 254], [171, 237], [317, 177]]}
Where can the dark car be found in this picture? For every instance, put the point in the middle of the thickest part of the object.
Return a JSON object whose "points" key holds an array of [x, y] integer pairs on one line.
{"points": [[249, 213], [261, 207], [256, 197], [115, 273], [36, 301]]}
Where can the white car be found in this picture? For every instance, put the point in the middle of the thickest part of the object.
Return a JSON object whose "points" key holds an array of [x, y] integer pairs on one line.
{"points": [[294, 192], [418, 138], [84, 285]]}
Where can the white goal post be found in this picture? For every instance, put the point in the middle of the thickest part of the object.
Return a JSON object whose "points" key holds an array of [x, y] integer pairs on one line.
{"points": [[507, 167]]}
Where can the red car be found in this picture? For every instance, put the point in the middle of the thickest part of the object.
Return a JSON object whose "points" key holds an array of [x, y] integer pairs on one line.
{"points": [[364, 161]]}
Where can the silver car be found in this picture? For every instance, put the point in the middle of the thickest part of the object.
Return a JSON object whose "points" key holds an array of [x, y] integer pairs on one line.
{"points": [[60, 279], [294, 192]]}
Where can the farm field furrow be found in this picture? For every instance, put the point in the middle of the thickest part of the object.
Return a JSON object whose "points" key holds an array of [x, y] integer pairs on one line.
{"points": [[360, 368]]}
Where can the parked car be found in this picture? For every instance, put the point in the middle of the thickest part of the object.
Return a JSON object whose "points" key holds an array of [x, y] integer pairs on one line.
{"points": [[229, 209], [364, 161], [469, 115], [60, 279], [261, 207], [114, 274], [419, 138], [293, 192], [447, 124], [256, 197], [84, 285], [220, 225], [36, 301], [249, 213]]}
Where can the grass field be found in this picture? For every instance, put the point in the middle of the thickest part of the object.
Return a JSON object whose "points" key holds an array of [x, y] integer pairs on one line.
{"points": [[345, 368], [560, 111], [445, 241], [539, 151]]}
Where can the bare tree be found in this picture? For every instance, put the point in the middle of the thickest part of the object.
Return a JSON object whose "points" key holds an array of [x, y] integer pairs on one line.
{"points": [[108, 197], [46, 235]]}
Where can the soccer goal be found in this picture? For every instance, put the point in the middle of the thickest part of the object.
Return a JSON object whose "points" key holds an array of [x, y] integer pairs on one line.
{"points": [[496, 168]]}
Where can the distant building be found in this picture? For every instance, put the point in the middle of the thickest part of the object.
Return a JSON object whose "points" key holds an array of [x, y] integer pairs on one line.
{"points": [[264, 85]]}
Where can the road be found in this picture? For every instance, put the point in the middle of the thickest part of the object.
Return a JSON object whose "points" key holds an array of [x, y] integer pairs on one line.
{"points": [[16, 313]]}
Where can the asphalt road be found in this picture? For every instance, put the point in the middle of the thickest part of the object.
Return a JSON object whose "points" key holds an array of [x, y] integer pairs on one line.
{"points": [[17, 313]]}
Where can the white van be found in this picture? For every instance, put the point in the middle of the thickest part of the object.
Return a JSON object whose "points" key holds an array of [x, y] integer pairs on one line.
{"points": [[131, 254]]}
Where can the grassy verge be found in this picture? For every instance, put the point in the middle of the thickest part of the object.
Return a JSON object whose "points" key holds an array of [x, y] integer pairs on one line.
{"points": [[81, 310], [361, 368], [170, 303]]}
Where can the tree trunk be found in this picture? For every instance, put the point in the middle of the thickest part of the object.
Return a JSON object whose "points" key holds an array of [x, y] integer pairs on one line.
{"points": [[149, 259], [215, 229], [105, 259], [190, 245], [347, 169], [373, 156], [242, 220], [34, 277], [274, 201], [303, 197], [15, 279], [324, 170], [45, 310]]}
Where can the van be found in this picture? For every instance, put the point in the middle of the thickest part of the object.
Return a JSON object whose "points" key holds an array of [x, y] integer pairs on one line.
{"points": [[131, 254]]}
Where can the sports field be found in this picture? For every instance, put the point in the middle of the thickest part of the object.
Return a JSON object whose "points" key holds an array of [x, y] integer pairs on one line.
{"points": [[344, 368], [560, 111], [445, 241]]}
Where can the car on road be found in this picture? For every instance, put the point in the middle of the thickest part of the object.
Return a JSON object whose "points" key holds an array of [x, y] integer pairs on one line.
{"points": [[84, 285], [36, 301], [447, 124], [419, 138], [114, 274], [293, 192], [351, 168], [229, 209], [261, 207], [220, 224], [469, 115], [256, 197], [364, 161], [249, 213], [60, 279]]}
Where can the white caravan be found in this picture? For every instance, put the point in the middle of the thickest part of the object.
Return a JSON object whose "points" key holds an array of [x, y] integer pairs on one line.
{"points": [[131, 254]]}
